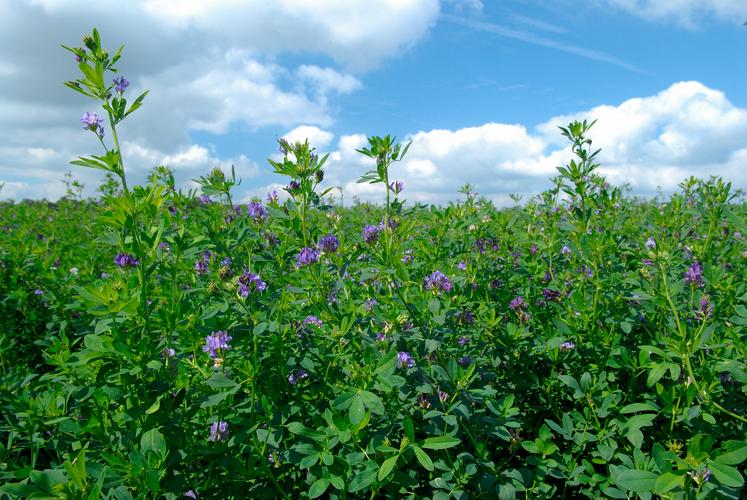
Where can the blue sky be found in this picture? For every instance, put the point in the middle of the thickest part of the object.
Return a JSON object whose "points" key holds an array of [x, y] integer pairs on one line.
{"points": [[478, 86]]}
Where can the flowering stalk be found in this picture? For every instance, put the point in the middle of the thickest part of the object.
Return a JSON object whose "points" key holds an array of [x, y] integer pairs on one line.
{"points": [[685, 353]]}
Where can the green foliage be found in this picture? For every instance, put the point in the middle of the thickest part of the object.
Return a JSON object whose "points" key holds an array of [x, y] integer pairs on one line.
{"points": [[351, 375]]}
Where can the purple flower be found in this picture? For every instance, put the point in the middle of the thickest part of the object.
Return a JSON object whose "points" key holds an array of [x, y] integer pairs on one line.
{"points": [[369, 303], [306, 257], [437, 281], [256, 211], [247, 281], [462, 340], [329, 244], [226, 262], [295, 376], [126, 260], [465, 361], [443, 396], [218, 431], [216, 343], [706, 308], [462, 266], [650, 243], [313, 320], [517, 303], [550, 295], [164, 247], [168, 352], [92, 122], [694, 274], [205, 199], [408, 257], [77, 57], [565, 250], [272, 197], [567, 346], [380, 337], [293, 186], [397, 186], [533, 250], [190, 494], [370, 234], [201, 266], [404, 359], [120, 84], [38, 292]]}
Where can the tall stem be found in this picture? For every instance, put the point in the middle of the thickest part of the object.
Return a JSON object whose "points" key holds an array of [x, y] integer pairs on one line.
{"points": [[121, 172]]}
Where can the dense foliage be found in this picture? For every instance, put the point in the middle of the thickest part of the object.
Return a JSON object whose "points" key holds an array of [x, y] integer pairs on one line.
{"points": [[159, 343]]}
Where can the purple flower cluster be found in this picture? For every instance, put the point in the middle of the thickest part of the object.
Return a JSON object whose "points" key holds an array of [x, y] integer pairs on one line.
{"points": [[201, 266], [217, 342], [329, 244], [550, 295], [567, 346], [247, 281], [437, 281], [370, 303], [706, 308], [295, 376], [404, 359], [306, 257], [650, 244], [517, 304], [92, 122], [124, 260], [465, 361], [272, 197], [313, 320], [120, 84], [256, 211], [218, 431], [694, 274], [408, 257], [371, 234], [397, 186]]}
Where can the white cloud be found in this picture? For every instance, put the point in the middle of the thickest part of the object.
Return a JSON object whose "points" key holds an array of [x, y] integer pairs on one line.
{"points": [[317, 137], [327, 80], [687, 13], [648, 142], [210, 66]]}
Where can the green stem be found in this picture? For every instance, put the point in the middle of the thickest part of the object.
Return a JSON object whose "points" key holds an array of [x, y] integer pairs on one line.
{"points": [[686, 352]]}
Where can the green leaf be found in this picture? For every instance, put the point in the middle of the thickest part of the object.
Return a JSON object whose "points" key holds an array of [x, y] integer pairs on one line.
{"points": [[387, 467], [319, 487], [637, 407], [153, 440], [372, 402], [220, 381], [637, 481], [409, 428], [733, 457], [669, 481], [423, 458], [363, 479], [726, 474], [440, 442], [357, 411]]}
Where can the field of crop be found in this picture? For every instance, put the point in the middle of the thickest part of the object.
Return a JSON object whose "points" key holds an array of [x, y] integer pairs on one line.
{"points": [[158, 343]]}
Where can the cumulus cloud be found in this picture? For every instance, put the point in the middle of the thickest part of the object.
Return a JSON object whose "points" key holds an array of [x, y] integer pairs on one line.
{"points": [[649, 143], [317, 137], [686, 13], [210, 67]]}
